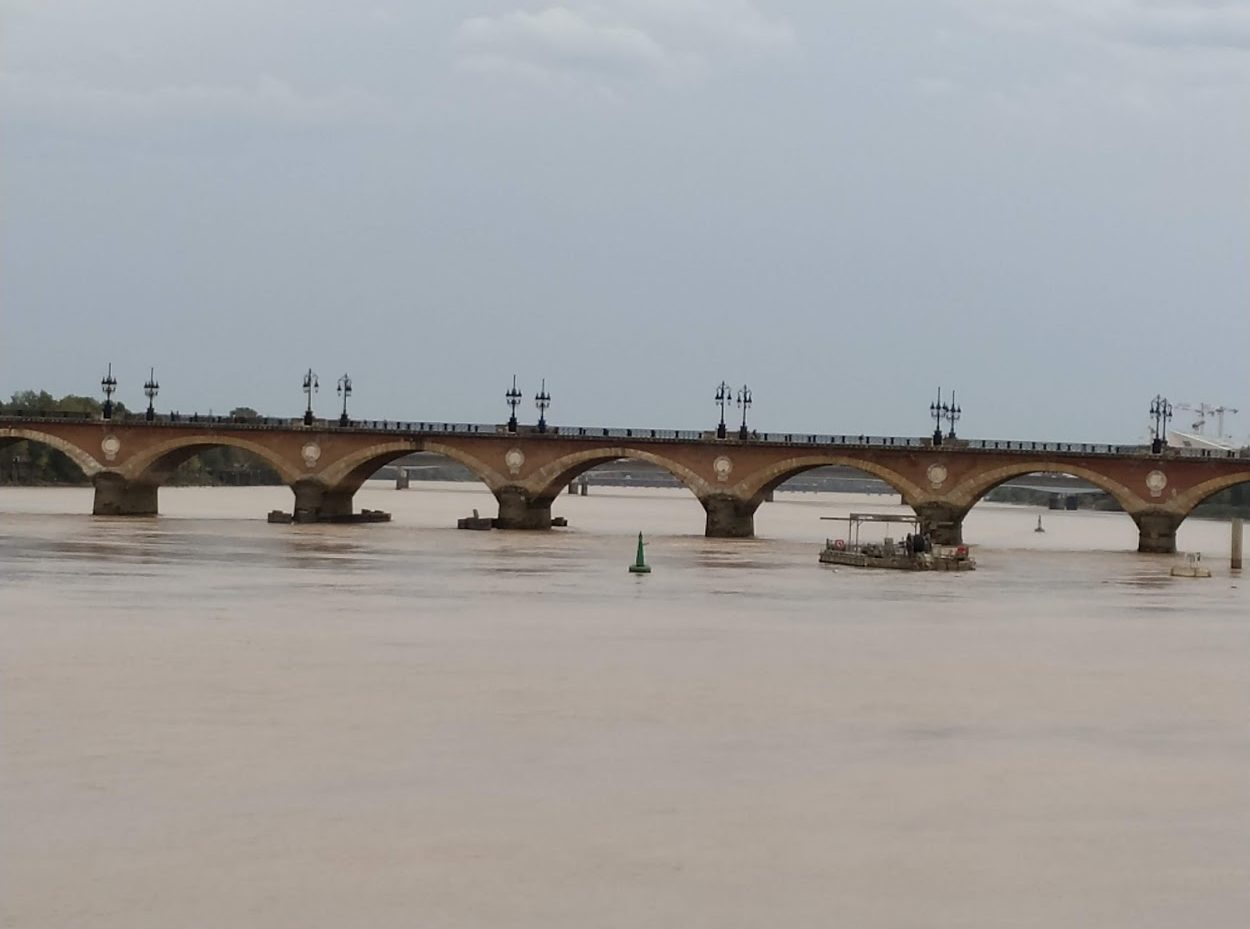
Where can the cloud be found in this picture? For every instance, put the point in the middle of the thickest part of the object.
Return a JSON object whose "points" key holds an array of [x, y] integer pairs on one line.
{"points": [[1178, 25], [616, 39], [1053, 58], [267, 100], [1150, 23], [557, 39]]}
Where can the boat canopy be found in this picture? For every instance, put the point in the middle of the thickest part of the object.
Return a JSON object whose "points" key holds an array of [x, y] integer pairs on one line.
{"points": [[877, 518], [855, 520]]}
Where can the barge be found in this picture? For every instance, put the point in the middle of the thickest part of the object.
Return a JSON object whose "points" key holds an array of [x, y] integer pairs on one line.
{"points": [[915, 552]]}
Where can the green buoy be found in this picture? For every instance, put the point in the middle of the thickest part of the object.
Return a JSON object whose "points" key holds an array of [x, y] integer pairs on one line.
{"points": [[640, 565]]}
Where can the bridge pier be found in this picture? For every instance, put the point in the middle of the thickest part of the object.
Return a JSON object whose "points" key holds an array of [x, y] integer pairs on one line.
{"points": [[116, 496], [942, 522], [518, 511], [1156, 531], [314, 503], [729, 517]]}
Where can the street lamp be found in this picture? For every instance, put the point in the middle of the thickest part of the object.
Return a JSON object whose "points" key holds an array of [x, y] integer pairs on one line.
{"points": [[542, 400], [937, 411], [944, 411], [109, 384], [953, 413], [744, 402], [514, 400], [311, 386], [1161, 410], [724, 395], [344, 391], [150, 389]]}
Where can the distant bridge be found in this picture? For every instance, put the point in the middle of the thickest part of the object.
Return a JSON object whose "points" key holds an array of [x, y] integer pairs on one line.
{"points": [[128, 459]]}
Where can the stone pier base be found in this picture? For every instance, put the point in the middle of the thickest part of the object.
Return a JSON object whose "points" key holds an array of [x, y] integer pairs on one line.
{"points": [[313, 503], [1156, 532], [518, 511], [943, 523], [116, 496], [729, 518]]}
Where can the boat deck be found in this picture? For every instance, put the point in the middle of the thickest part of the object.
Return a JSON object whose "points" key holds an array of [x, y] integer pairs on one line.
{"points": [[898, 561]]}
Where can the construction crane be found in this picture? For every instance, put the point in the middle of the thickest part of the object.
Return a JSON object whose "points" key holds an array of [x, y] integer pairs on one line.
{"points": [[1219, 412], [1203, 410]]}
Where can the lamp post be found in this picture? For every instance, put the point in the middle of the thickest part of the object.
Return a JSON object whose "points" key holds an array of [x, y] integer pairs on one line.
{"points": [[936, 410], [514, 400], [724, 396], [1161, 410], [542, 400], [953, 413], [344, 391], [311, 386], [744, 403], [150, 389], [108, 384]]}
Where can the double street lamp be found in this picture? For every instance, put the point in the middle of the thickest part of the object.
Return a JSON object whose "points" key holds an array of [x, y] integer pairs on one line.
{"points": [[311, 386], [513, 397], [542, 400], [108, 384], [724, 396], [944, 411], [1161, 410], [344, 391], [953, 413], [150, 388], [744, 403]]}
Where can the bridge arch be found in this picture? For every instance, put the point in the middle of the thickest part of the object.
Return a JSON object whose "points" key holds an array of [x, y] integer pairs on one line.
{"points": [[1186, 502], [758, 485], [347, 473], [154, 465], [973, 489], [78, 455], [550, 480]]}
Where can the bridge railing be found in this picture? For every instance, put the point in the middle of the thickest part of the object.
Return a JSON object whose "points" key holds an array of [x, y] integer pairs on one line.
{"points": [[1208, 452], [406, 427], [1085, 448], [45, 414], [1080, 448], [608, 432]]}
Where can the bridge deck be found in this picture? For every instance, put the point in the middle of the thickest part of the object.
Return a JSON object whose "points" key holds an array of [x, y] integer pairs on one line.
{"points": [[399, 428]]}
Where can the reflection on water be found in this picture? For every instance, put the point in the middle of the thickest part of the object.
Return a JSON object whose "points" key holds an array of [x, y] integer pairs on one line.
{"points": [[209, 720], [310, 548]]}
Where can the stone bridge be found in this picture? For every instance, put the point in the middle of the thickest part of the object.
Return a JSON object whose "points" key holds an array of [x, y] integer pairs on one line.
{"points": [[324, 464]]}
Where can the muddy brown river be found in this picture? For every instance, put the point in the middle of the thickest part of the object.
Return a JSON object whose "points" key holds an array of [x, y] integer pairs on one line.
{"points": [[209, 721]]}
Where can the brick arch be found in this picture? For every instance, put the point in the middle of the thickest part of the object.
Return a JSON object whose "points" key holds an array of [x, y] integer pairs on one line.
{"points": [[972, 489], [756, 486], [1186, 501], [75, 453], [154, 465], [349, 472], [553, 478]]}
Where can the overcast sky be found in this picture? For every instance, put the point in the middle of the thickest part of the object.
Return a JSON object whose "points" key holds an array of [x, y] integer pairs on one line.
{"points": [[1044, 204]]}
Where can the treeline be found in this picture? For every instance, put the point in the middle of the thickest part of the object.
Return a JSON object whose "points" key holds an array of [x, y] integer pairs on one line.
{"points": [[34, 463]]}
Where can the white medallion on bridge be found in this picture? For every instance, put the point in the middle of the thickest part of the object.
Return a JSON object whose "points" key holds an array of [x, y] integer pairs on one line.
{"points": [[937, 475], [1156, 481], [111, 446], [722, 466], [311, 453], [514, 458]]}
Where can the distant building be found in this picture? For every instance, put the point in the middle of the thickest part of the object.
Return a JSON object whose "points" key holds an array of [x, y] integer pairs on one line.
{"points": [[1193, 440]]}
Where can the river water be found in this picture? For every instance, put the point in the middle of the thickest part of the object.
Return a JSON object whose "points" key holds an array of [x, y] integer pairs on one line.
{"points": [[208, 721]]}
